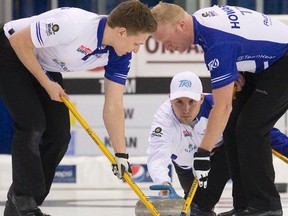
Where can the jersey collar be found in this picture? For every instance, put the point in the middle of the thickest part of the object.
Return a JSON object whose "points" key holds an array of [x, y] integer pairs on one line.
{"points": [[100, 31]]}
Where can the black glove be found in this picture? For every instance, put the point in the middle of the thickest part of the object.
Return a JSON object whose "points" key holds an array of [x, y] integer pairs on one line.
{"points": [[122, 165], [201, 166]]}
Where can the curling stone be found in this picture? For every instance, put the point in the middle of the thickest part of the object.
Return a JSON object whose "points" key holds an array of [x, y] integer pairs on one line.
{"points": [[170, 205]]}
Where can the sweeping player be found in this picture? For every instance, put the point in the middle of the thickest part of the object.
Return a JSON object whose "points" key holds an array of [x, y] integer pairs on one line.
{"points": [[176, 132], [62, 40], [237, 40]]}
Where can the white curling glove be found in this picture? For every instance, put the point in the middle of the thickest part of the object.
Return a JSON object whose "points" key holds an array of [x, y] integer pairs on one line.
{"points": [[121, 166], [201, 166]]}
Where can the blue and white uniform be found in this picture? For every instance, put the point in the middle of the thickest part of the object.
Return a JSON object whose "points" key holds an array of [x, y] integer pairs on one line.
{"points": [[64, 42], [171, 140], [238, 39]]}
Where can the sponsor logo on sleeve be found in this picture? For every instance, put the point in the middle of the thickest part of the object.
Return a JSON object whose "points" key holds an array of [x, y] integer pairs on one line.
{"points": [[209, 14], [213, 64], [51, 29], [157, 132]]}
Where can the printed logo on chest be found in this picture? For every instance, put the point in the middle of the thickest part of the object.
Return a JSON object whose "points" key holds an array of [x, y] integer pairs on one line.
{"points": [[187, 133], [84, 50]]}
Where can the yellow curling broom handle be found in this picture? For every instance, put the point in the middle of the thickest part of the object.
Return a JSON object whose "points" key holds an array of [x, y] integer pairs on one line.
{"points": [[190, 197], [234, 91], [195, 183], [110, 157], [280, 156]]}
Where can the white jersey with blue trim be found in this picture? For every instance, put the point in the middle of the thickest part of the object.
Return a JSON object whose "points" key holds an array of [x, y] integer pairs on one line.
{"points": [[70, 39], [238, 39], [171, 140]]}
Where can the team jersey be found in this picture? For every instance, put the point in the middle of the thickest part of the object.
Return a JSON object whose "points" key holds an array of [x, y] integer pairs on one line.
{"points": [[238, 39], [70, 39], [171, 140], [279, 141]]}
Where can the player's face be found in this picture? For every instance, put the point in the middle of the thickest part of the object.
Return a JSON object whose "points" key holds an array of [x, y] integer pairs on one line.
{"points": [[186, 109], [172, 37], [130, 43]]}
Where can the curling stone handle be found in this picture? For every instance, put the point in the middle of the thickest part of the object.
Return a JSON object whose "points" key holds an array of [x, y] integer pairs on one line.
{"points": [[172, 192]]}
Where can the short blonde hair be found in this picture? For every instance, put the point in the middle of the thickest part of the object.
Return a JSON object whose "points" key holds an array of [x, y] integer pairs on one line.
{"points": [[166, 13]]}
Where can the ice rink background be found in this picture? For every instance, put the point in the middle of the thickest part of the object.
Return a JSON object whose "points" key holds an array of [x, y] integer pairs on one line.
{"points": [[108, 202]]}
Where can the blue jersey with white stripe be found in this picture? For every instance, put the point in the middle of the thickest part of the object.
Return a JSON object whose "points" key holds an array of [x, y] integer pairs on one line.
{"points": [[206, 106], [238, 39]]}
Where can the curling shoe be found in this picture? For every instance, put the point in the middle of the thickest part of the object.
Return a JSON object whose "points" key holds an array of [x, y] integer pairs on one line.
{"points": [[21, 205], [196, 210], [231, 212], [257, 212]]}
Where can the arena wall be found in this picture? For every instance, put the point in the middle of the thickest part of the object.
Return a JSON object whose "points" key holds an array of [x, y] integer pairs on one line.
{"points": [[147, 87]]}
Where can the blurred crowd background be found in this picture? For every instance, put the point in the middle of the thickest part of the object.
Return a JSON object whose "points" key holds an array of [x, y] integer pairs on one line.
{"points": [[14, 9]]}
